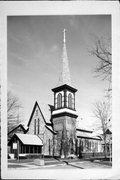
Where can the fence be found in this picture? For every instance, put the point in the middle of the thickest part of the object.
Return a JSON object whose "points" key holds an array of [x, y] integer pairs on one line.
{"points": [[93, 154]]}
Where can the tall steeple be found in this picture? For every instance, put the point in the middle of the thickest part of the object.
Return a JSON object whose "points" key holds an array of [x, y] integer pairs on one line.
{"points": [[65, 73], [64, 114]]}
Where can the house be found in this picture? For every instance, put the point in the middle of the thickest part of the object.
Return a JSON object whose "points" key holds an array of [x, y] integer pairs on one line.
{"points": [[24, 145], [20, 128]]}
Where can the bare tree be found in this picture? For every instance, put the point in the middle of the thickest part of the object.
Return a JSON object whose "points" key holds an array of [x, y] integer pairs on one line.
{"points": [[103, 113], [102, 50], [13, 110]]}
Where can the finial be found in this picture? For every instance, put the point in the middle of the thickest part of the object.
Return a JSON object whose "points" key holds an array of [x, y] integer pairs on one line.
{"points": [[64, 39]]}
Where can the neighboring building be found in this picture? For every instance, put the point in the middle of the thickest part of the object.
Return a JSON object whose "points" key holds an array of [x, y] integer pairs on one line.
{"points": [[52, 129], [108, 138], [24, 144], [20, 128]]}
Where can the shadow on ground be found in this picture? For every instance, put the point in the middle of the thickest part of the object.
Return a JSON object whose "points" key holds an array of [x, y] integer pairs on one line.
{"points": [[67, 163]]}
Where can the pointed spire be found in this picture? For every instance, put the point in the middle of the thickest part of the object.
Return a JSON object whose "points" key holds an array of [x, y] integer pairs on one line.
{"points": [[64, 39], [65, 74]]}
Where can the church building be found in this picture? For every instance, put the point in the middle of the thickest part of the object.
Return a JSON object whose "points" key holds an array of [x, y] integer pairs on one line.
{"points": [[51, 129]]}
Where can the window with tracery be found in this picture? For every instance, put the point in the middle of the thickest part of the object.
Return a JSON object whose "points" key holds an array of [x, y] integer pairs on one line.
{"points": [[70, 100], [59, 100], [35, 126], [38, 126]]}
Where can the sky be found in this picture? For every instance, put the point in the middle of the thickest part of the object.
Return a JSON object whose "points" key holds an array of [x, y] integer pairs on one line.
{"points": [[34, 50]]}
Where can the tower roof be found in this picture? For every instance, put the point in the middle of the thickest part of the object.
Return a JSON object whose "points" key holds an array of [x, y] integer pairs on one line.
{"points": [[64, 77]]}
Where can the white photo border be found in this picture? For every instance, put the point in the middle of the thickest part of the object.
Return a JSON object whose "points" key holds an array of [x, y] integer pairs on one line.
{"points": [[14, 8]]}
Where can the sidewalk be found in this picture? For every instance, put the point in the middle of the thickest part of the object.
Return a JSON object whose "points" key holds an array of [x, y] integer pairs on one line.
{"points": [[57, 163], [89, 165], [29, 163]]}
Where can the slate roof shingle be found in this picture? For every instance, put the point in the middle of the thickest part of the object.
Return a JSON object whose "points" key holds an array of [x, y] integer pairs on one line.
{"points": [[46, 111]]}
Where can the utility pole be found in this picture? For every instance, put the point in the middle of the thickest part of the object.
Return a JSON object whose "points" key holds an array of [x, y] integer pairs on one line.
{"points": [[18, 149]]}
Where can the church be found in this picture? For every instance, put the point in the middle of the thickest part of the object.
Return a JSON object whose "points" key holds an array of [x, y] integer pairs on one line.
{"points": [[51, 129]]}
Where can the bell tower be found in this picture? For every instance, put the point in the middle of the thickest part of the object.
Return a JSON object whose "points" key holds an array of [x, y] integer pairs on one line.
{"points": [[64, 114]]}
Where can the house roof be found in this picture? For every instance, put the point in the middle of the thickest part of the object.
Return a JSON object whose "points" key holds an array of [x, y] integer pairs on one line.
{"points": [[28, 139], [86, 134], [17, 126], [100, 132], [108, 132]]}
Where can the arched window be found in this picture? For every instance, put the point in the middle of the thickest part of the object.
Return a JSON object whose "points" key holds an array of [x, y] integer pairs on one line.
{"points": [[38, 126], [59, 100], [70, 100], [35, 126]]}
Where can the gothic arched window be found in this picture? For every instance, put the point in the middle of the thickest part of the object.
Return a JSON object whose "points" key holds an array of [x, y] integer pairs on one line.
{"points": [[35, 126], [59, 100], [38, 126], [70, 100]]}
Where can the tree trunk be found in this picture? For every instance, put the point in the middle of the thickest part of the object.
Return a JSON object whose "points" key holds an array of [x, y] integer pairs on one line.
{"points": [[105, 152]]}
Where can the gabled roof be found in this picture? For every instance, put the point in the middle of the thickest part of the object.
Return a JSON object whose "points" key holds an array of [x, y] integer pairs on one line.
{"points": [[100, 132], [81, 133], [16, 127], [28, 139], [45, 110], [108, 132]]}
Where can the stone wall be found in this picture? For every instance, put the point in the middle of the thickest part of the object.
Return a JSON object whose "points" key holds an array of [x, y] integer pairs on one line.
{"points": [[64, 141], [48, 143], [42, 122], [45, 134]]}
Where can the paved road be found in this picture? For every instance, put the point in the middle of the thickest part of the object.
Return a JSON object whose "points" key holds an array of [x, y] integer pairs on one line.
{"points": [[59, 165]]}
